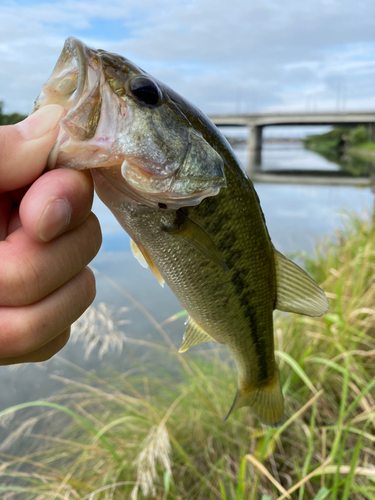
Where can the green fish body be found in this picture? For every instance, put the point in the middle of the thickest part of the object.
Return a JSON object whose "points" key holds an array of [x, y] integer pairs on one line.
{"points": [[174, 184]]}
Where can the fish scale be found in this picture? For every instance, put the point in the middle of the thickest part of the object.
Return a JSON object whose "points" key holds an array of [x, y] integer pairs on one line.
{"points": [[224, 304]]}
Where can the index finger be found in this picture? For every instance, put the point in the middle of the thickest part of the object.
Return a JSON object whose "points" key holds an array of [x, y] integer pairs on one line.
{"points": [[24, 147]]}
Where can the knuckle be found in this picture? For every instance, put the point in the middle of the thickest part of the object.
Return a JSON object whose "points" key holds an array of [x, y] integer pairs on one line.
{"points": [[19, 282], [54, 347], [18, 336], [39, 355], [8, 136], [95, 232], [88, 284], [89, 238]]}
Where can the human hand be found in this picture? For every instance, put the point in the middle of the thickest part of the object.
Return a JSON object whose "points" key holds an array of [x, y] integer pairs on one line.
{"points": [[47, 237]]}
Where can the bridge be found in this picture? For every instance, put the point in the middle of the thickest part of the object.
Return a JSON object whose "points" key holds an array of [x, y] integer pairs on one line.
{"points": [[257, 121]]}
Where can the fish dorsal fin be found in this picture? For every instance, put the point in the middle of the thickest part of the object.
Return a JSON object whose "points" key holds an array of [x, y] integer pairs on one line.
{"points": [[296, 291], [193, 335], [137, 253], [196, 237], [144, 258]]}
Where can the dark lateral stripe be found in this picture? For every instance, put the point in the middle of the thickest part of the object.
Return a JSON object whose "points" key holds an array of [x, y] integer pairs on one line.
{"points": [[259, 342]]}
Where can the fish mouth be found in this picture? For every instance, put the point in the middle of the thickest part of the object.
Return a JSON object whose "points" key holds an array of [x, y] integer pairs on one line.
{"points": [[66, 84], [77, 84]]}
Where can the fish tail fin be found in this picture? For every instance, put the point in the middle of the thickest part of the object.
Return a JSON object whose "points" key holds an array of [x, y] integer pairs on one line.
{"points": [[266, 402]]}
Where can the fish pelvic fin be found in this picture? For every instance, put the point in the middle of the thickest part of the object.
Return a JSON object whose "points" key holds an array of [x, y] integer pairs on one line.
{"points": [[136, 251], [143, 257], [193, 335], [296, 291], [266, 401]]}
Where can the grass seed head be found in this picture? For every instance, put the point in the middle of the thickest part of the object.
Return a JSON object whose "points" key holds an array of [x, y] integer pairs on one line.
{"points": [[156, 448]]}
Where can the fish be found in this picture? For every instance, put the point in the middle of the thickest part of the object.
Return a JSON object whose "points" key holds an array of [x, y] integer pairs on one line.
{"points": [[194, 218]]}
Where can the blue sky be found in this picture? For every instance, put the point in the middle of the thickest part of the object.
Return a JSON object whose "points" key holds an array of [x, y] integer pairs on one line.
{"points": [[224, 56]]}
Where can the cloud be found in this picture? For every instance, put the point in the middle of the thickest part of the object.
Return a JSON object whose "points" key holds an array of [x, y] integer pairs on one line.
{"points": [[221, 55]]}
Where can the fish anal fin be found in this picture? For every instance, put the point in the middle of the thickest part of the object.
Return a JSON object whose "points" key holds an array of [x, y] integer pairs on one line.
{"points": [[193, 335], [196, 237], [265, 401], [296, 291], [150, 264], [137, 253]]}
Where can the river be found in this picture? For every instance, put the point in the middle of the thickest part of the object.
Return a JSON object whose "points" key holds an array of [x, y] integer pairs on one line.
{"points": [[297, 218]]}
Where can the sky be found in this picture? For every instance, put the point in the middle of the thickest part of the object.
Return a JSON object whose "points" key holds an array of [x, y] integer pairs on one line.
{"points": [[224, 56]]}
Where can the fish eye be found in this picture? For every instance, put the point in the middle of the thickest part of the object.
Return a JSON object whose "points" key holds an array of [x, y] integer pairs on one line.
{"points": [[145, 90]]}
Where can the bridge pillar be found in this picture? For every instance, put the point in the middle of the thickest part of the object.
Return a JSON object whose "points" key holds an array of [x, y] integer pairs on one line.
{"points": [[371, 129], [255, 147]]}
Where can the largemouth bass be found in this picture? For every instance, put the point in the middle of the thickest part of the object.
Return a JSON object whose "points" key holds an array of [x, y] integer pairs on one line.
{"points": [[174, 184]]}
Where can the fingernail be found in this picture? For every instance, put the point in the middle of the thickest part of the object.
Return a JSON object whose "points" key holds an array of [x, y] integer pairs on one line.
{"points": [[55, 219], [41, 122]]}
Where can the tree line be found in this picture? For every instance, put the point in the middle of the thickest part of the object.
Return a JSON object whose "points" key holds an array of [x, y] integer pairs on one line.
{"points": [[9, 119]]}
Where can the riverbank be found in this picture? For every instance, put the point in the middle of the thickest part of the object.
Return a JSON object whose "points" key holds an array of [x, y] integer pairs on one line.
{"points": [[351, 148], [157, 428]]}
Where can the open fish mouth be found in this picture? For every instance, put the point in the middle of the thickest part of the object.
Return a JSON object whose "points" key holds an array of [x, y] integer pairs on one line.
{"points": [[122, 121], [78, 84]]}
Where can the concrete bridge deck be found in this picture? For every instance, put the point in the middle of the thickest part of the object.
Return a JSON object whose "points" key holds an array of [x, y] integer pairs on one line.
{"points": [[275, 119]]}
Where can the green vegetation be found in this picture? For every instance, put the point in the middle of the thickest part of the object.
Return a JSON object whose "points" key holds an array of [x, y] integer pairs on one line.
{"points": [[347, 147], [368, 146], [358, 136], [154, 430], [11, 118], [339, 137], [330, 141]]}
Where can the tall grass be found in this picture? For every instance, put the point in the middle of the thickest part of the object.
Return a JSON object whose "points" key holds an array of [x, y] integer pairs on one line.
{"points": [[156, 431]]}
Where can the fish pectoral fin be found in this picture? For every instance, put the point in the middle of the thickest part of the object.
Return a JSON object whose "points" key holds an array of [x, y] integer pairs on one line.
{"points": [[296, 291], [196, 237], [266, 402], [193, 335], [141, 254], [137, 253]]}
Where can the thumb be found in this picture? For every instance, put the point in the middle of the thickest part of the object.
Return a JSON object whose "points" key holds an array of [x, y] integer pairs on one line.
{"points": [[24, 147]]}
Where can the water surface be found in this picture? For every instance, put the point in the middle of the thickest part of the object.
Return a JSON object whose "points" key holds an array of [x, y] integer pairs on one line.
{"points": [[297, 217]]}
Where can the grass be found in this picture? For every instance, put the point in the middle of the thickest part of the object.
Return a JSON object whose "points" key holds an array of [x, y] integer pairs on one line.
{"points": [[156, 430]]}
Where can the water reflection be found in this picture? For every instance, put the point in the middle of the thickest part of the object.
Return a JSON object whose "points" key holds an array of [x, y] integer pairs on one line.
{"points": [[294, 159], [287, 156], [293, 156], [356, 166]]}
